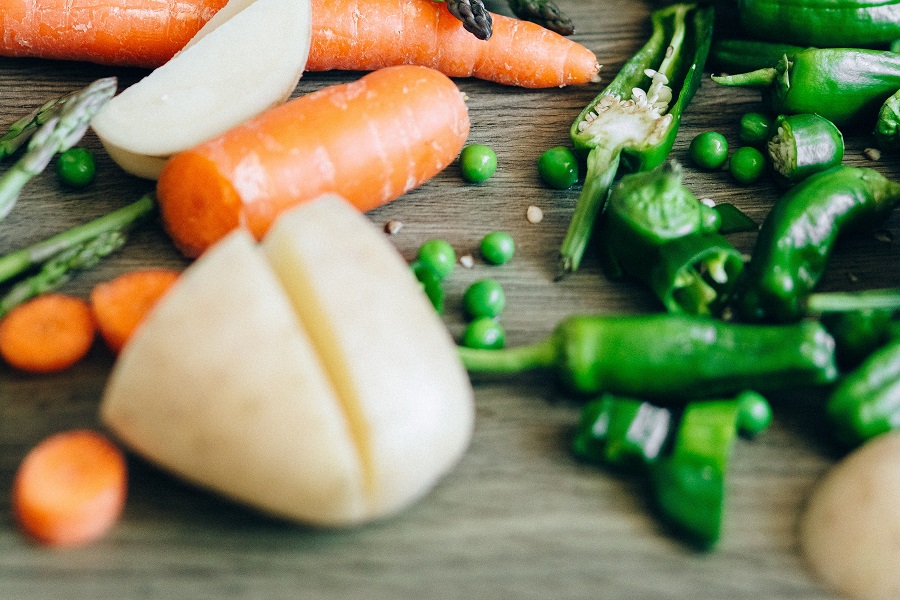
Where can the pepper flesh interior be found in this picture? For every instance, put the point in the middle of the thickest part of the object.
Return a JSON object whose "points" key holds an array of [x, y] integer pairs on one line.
{"points": [[634, 122]]}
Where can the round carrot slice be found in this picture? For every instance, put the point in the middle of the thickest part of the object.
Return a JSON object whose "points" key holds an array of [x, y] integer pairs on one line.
{"points": [[70, 488], [48, 333], [120, 305]]}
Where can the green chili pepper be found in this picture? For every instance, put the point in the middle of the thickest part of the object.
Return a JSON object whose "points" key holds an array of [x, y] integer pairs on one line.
{"points": [[866, 402], [669, 356], [685, 455], [733, 219], [858, 333], [842, 85], [887, 127], [634, 120], [804, 144], [689, 482], [827, 24], [796, 238], [657, 231], [738, 56]]}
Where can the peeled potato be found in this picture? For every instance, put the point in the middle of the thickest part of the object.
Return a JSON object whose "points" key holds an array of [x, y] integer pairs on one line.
{"points": [[850, 530], [309, 378], [246, 59]]}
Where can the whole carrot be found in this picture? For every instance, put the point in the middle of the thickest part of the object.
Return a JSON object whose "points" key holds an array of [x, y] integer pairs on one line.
{"points": [[357, 35], [369, 141], [139, 33], [368, 34]]}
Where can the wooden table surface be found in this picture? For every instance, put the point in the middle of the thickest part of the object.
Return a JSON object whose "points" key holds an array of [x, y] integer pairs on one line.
{"points": [[519, 517]]}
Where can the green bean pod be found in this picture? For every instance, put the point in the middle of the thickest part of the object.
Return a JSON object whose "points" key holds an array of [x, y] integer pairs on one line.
{"points": [[797, 237], [866, 402], [669, 356], [804, 144], [843, 85], [822, 23]]}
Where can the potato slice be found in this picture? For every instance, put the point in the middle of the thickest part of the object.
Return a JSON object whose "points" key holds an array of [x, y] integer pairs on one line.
{"points": [[248, 58], [221, 386], [309, 377], [405, 393]]}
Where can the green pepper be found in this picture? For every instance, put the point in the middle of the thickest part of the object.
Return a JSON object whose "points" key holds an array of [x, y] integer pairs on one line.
{"points": [[866, 402], [802, 145], [684, 455], [843, 85], [797, 237], [669, 356], [823, 23], [887, 126], [656, 231], [858, 333], [737, 55], [635, 120], [733, 219]]}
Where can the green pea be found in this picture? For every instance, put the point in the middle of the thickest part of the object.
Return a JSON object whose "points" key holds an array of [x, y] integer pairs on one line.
{"points": [[558, 168], [439, 255], [755, 128], [497, 247], [484, 298], [430, 282], [754, 414], [477, 162], [747, 164], [76, 167], [484, 332], [709, 150]]}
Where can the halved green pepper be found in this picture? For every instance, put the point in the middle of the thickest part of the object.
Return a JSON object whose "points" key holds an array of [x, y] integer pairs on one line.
{"points": [[802, 145], [634, 121], [669, 356], [657, 231], [843, 85], [684, 453]]}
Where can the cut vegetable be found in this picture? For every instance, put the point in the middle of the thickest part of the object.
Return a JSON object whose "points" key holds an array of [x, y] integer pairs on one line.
{"points": [[120, 305], [251, 377], [369, 141], [70, 489], [248, 58], [47, 334]]}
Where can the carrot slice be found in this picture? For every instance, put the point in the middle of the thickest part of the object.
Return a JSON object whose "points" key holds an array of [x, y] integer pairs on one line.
{"points": [[48, 333], [120, 305], [70, 488]]}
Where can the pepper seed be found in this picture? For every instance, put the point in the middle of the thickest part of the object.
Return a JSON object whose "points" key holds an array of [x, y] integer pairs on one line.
{"points": [[534, 214]]}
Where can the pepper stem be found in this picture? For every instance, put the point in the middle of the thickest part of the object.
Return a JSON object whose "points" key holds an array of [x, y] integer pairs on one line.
{"points": [[602, 165], [542, 354], [834, 302], [758, 78]]}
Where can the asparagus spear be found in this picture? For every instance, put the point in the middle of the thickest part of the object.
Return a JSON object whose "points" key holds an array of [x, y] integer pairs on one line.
{"points": [[59, 133], [543, 12], [121, 221], [474, 16], [22, 130]]}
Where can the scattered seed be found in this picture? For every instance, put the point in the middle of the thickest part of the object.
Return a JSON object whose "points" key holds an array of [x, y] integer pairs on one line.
{"points": [[852, 277], [534, 214], [883, 235], [393, 227], [708, 202], [872, 153], [467, 261]]}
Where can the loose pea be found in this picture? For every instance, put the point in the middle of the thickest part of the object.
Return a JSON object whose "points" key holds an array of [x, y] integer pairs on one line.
{"points": [[477, 162], [430, 282], [747, 164], [484, 332], [497, 247], [558, 168], [709, 150], [76, 167], [755, 128], [439, 255], [484, 298]]}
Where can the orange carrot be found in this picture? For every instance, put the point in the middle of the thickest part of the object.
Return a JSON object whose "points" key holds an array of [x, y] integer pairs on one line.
{"points": [[70, 488], [140, 33], [357, 35], [120, 305], [48, 333], [370, 141], [363, 35]]}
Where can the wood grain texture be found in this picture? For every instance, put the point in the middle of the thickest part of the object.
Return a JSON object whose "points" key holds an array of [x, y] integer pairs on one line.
{"points": [[519, 518]]}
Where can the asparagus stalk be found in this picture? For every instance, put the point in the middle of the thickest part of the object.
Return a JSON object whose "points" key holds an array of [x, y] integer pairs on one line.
{"points": [[59, 133], [474, 16], [22, 130], [543, 12]]}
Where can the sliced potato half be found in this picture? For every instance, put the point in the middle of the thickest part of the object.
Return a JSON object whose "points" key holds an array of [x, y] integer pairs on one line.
{"points": [[246, 59]]}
